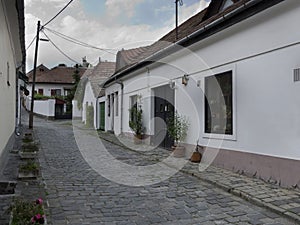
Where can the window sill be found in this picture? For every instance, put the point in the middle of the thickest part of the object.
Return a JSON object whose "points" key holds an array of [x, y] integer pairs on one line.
{"points": [[219, 136]]}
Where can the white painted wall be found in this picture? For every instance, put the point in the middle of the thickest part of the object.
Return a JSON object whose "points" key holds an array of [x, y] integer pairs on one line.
{"points": [[8, 56], [47, 88], [89, 99], [262, 52], [42, 107], [76, 112]]}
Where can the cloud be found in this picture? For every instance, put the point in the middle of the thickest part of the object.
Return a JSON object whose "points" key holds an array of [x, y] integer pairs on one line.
{"points": [[115, 8], [105, 32]]}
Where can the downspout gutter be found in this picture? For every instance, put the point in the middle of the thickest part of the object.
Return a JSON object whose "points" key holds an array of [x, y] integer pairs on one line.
{"points": [[185, 41]]}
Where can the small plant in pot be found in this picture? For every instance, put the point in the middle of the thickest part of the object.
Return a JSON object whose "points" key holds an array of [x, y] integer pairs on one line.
{"points": [[136, 123], [28, 151], [28, 170], [177, 127]]}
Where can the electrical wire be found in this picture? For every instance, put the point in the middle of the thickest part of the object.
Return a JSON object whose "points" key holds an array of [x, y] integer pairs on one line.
{"points": [[58, 13], [60, 49], [31, 43], [75, 41]]}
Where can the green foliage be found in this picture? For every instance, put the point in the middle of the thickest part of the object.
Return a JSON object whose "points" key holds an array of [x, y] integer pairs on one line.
{"points": [[177, 127], [23, 211], [29, 166], [90, 116], [136, 120], [42, 97]]}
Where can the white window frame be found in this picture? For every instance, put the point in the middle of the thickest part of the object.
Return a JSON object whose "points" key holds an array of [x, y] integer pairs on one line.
{"points": [[233, 136]]}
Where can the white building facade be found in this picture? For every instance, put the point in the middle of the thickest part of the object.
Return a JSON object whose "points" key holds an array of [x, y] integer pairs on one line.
{"points": [[237, 85], [12, 60]]}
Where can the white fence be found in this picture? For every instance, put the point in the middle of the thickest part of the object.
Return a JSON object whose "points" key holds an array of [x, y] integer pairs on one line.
{"points": [[42, 107]]}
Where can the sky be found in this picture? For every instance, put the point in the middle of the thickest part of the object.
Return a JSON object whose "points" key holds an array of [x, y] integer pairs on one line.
{"points": [[107, 24]]}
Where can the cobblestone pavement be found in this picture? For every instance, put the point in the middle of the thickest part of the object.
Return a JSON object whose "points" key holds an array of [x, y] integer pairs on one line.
{"points": [[78, 195], [280, 200]]}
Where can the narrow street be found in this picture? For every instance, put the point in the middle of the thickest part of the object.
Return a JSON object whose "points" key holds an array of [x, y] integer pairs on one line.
{"points": [[78, 195]]}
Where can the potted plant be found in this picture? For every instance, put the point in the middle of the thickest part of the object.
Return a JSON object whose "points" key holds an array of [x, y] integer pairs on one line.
{"points": [[177, 127], [28, 170], [136, 123], [27, 212], [28, 151]]}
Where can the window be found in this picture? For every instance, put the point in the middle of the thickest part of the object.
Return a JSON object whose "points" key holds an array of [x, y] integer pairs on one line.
{"points": [[108, 105], [219, 104], [67, 92], [41, 91], [117, 103], [55, 92]]}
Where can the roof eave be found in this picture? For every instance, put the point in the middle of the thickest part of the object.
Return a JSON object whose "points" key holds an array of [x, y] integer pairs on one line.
{"points": [[239, 14]]}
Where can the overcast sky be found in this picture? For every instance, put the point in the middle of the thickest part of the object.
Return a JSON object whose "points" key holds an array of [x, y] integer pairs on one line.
{"points": [[109, 24]]}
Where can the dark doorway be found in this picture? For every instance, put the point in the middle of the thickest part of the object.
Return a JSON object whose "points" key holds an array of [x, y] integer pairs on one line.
{"points": [[164, 109], [102, 115]]}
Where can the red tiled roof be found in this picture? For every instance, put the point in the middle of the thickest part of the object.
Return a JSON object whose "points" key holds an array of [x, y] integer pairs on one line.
{"points": [[99, 74], [58, 75]]}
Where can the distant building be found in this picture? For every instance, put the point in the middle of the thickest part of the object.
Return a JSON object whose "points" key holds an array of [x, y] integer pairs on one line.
{"points": [[92, 110], [57, 81]]}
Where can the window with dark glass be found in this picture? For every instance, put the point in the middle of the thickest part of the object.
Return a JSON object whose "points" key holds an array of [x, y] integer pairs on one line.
{"points": [[218, 104], [41, 91]]}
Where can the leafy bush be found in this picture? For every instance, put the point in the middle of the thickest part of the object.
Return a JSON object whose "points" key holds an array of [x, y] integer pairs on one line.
{"points": [[136, 120], [177, 127]]}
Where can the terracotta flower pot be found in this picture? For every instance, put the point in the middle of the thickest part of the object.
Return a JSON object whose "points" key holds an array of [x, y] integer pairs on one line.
{"points": [[196, 157]]}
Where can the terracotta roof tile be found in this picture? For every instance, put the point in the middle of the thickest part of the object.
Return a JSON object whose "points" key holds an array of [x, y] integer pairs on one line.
{"points": [[58, 75], [99, 74], [127, 58]]}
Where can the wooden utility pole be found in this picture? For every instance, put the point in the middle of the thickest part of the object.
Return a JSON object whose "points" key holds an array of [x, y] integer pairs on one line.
{"points": [[34, 75]]}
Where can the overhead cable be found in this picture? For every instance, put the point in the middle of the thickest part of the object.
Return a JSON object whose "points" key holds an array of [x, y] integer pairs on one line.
{"points": [[60, 49], [78, 42], [58, 13]]}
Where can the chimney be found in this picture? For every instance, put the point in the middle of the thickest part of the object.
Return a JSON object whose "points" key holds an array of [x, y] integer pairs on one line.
{"points": [[99, 59]]}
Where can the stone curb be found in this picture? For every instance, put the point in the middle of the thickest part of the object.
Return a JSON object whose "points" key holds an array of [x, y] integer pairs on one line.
{"points": [[249, 198], [229, 189]]}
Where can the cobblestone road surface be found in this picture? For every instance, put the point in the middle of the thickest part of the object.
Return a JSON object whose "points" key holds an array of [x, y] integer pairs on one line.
{"points": [[78, 195]]}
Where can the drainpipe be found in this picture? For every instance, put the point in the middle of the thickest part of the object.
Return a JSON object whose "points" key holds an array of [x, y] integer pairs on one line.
{"points": [[121, 111]]}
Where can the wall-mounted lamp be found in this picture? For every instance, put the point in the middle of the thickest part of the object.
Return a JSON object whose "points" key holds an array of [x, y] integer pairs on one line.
{"points": [[198, 83], [185, 79], [172, 84]]}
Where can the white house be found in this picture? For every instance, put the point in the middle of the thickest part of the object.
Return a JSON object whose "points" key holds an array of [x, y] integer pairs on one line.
{"points": [[234, 71], [12, 63], [91, 81], [57, 81]]}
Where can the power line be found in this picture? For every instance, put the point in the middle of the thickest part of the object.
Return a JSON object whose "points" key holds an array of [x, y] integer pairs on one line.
{"points": [[75, 41], [59, 48], [58, 13], [31, 43]]}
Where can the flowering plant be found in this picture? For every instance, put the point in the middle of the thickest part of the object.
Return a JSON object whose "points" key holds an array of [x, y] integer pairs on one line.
{"points": [[28, 213]]}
